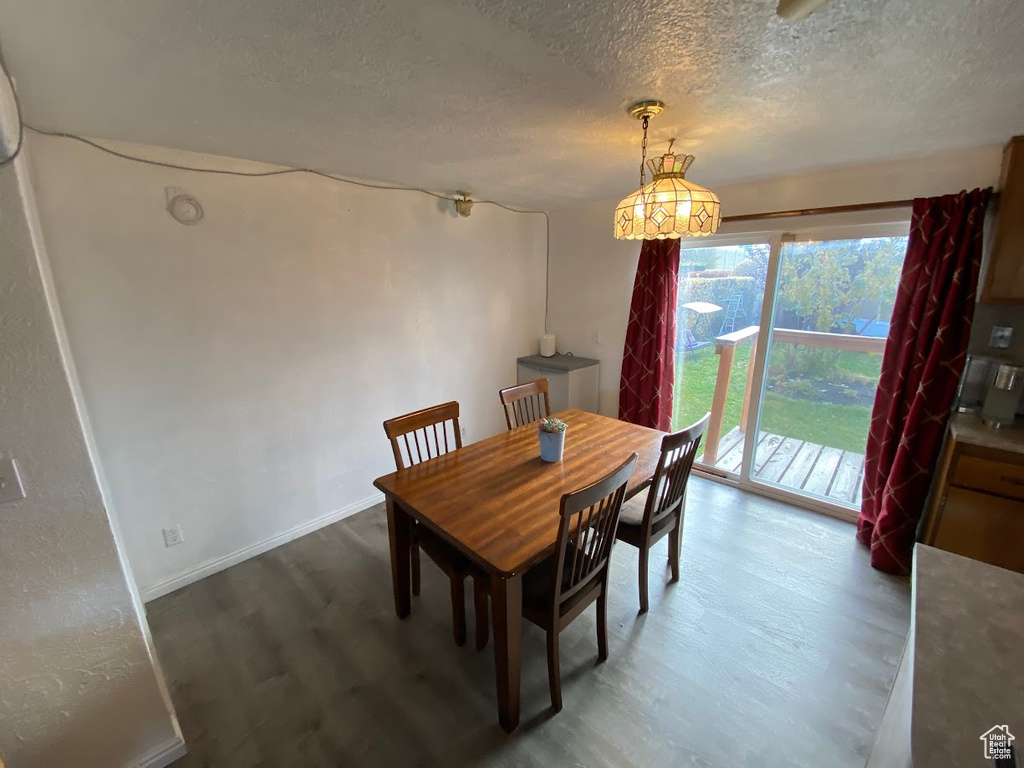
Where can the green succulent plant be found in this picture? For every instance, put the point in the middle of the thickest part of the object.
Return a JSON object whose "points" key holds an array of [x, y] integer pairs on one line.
{"points": [[551, 424]]}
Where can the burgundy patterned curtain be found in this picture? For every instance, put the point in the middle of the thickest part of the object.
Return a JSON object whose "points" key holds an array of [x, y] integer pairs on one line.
{"points": [[648, 360], [924, 357]]}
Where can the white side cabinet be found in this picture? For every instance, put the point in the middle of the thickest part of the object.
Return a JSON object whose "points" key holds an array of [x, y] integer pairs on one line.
{"points": [[572, 381]]}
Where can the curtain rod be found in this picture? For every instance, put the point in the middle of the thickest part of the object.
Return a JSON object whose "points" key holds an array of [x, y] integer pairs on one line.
{"points": [[831, 209]]}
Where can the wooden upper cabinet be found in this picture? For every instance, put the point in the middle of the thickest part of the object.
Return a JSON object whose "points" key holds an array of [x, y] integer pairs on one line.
{"points": [[1004, 275]]}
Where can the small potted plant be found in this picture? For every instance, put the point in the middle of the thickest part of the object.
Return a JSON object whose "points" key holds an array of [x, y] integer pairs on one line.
{"points": [[552, 438]]}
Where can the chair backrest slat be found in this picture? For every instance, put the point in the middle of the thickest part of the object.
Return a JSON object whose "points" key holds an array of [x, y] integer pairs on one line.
{"points": [[428, 429], [525, 403], [590, 517], [668, 487]]}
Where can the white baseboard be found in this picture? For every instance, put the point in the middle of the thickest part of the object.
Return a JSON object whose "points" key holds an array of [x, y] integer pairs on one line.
{"points": [[164, 755], [161, 588]]}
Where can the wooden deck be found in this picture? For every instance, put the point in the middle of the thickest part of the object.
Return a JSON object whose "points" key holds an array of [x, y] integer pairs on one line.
{"points": [[818, 470]]}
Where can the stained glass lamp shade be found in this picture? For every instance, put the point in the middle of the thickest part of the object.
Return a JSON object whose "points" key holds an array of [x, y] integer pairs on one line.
{"points": [[670, 206]]}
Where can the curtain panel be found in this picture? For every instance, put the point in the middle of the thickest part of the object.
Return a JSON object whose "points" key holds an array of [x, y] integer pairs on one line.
{"points": [[921, 367], [648, 359]]}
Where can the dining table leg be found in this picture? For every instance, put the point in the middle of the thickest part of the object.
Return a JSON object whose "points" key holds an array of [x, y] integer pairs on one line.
{"points": [[400, 536], [507, 606]]}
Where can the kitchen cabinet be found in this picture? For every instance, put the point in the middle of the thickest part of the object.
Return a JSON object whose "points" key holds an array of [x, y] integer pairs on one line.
{"points": [[1004, 273], [977, 500], [983, 527]]}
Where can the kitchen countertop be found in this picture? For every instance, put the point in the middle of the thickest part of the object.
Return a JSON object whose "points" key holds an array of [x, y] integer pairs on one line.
{"points": [[968, 657], [967, 428]]}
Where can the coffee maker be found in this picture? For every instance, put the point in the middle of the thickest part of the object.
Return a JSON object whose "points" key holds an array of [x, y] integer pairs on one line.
{"points": [[1003, 395], [991, 387]]}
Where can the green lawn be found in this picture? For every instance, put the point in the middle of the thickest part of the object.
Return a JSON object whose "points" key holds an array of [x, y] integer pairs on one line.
{"points": [[839, 426], [861, 364]]}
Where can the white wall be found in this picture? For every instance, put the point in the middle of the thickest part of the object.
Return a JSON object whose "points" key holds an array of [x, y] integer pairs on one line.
{"points": [[78, 685], [592, 273], [237, 372]]}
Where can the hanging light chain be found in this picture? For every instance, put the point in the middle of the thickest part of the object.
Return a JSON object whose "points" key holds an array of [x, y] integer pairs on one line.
{"points": [[643, 152]]}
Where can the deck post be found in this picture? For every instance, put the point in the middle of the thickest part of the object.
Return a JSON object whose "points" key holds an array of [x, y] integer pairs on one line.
{"points": [[725, 348], [714, 433]]}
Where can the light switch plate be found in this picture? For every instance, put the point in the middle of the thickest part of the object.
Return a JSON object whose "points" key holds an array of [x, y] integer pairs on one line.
{"points": [[1001, 336], [11, 488]]}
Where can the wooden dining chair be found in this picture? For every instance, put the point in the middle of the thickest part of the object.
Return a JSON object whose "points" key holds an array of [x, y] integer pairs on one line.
{"points": [[558, 590], [525, 403], [646, 518], [416, 437]]}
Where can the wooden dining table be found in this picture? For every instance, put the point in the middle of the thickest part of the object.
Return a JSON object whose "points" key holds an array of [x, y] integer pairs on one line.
{"points": [[498, 504]]}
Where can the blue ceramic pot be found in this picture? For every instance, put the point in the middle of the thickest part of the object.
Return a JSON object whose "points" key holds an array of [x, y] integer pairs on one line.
{"points": [[551, 445]]}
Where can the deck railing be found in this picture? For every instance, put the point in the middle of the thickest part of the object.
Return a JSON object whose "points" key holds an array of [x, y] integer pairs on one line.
{"points": [[725, 348]]}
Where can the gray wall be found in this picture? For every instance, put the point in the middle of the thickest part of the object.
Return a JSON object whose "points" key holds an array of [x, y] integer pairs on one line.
{"points": [[988, 315]]}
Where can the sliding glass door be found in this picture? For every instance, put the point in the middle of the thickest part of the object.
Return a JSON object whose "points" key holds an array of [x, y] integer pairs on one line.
{"points": [[791, 369], [830, 320], [721, 292]]}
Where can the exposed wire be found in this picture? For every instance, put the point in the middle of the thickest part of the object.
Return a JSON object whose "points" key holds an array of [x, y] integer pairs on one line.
{"points": [[263, 174], [287, 171], [547, 250], [17, 107], [223, 171]]}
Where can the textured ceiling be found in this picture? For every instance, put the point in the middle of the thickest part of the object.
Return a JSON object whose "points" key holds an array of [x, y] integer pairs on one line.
{"points": [[523, 101]]}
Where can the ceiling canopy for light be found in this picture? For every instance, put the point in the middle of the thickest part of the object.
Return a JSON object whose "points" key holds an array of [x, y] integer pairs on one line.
{"points": [[670, 206]]}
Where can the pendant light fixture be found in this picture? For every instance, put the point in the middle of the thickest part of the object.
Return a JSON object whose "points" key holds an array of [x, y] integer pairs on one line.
{"points": [[670, 206]]}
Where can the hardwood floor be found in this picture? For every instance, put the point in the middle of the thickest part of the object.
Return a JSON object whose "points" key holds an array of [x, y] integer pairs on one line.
{"points": [[776, 648]]}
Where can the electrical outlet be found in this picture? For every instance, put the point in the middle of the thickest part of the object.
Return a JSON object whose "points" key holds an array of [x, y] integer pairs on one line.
{"points": [[1000, 337], [465, 434], [597, 338], [11, 488], [173, 536]]}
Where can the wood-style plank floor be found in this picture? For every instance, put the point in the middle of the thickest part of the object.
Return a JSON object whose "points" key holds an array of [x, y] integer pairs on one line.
{"points": [[776, 648], [818, 470]]}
